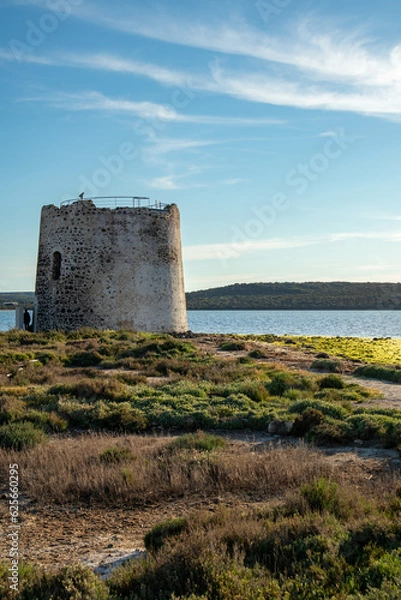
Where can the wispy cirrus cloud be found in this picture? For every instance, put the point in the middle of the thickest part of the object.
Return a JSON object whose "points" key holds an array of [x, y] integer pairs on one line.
{"points": [[234, 181], [167, 182], [230, 250], [28, 57], [174, 181], [117, 64], [321, 67], [96, 101], [157, 151], [166, 145], [315, 65], [262, 88], [314, 46], [225, 251], [99, 62]]}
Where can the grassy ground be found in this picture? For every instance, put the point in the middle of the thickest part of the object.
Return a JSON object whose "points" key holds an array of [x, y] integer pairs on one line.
{"points": [[127, 382], [381, 351], [281, 522]]}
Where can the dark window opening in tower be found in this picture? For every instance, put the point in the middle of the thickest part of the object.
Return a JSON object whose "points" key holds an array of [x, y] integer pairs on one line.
{"points": [[56, 266]]}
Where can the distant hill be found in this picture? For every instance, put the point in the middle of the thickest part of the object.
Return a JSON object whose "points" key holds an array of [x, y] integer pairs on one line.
{"points": [[9, 297], [336, 295]]}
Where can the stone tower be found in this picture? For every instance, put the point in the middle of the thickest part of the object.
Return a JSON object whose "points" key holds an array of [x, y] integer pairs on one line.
{"points": [[110, 268]]}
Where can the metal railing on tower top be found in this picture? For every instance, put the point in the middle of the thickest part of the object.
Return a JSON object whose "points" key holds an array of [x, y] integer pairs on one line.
{"points": [[119, 202]]}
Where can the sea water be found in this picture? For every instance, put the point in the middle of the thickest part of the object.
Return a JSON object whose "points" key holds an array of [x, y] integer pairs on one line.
{"points": [[355, 323]]}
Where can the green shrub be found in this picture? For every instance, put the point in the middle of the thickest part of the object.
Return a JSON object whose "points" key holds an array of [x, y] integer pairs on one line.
{"points": [[127, 475], [160, 348], [203, 442], [328, 409], [232, 346], [48, 421], [306, 422], [331, 382], [157, 536], [69, 583], [284, 381], [184, 387], [92, 389], [11, 409], [386, 567], [257, 354], [11, 358], [376, 372], [254, 389], [20, 436], [85, 333], [330, 366], [368, 538], [83, 359], [115, 455], [117, 416], [322, 496], [327, 433], [280, 384], [46, 357], [364, 426]]}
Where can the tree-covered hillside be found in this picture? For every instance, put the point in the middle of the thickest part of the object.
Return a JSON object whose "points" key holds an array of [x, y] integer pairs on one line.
{"points": [[337, 295], [7, 298]]}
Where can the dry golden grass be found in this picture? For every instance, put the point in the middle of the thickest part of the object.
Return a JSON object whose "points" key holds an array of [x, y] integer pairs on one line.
{"points": [[149, 469]]}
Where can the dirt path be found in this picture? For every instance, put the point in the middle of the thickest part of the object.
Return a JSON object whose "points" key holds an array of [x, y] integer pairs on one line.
{"points": [[98, 537], [390, 392], [288, 356]]}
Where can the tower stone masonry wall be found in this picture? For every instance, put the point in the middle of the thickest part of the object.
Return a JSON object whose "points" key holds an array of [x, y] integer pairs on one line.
{"points": [[110, 269]]}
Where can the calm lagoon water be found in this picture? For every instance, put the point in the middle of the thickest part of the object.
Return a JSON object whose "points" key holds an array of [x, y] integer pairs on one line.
{"points": [[7, 319], [357, 323]]}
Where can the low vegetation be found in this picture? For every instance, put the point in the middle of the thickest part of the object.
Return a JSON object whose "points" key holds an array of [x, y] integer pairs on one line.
{"points": [[377, 372], [127, 382], [380, 351], [282, 522], [129, 471], [323, 541], [315, 535]]}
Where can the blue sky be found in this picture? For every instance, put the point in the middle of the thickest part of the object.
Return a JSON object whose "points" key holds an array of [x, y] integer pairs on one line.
{"points": [[273, 124]]}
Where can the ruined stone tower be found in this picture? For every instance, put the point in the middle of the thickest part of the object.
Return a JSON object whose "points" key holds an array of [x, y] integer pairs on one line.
{"points": [[110, 268]]}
